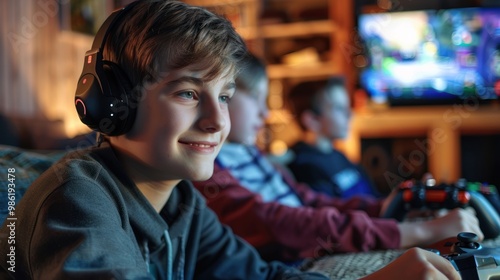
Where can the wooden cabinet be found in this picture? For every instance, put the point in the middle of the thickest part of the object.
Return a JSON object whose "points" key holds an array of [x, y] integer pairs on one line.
{"points": [[330, 19], [302, 25], [437, 129]]}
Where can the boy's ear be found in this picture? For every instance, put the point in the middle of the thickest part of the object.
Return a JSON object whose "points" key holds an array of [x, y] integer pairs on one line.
{"points": [[310, 120]]}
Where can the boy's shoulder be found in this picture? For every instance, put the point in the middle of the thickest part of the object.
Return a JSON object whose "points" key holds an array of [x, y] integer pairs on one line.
{"points": [[96, 167], [72, 163]]}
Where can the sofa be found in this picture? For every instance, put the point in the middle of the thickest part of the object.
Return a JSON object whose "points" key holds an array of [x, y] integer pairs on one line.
{"points": [[19, 168]]}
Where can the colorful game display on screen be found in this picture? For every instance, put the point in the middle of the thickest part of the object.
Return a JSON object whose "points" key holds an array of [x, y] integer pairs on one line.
{"points": [[432, 56]]}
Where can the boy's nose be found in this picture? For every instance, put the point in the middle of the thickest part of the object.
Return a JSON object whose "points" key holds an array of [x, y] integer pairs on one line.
{"points": [[212, 119]]}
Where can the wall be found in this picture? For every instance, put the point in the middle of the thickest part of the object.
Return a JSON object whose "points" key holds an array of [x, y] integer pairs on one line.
{"points": [[40, 66]]}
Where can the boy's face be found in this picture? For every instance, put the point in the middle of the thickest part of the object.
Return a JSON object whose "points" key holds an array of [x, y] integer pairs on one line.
{"points": [[335, 114], [248, 112], [181, 123]]}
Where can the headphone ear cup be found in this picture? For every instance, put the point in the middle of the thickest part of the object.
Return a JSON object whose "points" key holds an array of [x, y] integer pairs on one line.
{"points": [[124, 109], [102, 101]]}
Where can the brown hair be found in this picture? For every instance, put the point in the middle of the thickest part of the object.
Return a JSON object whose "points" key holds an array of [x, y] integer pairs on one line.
{"points": [[158, 36], [307, 96], [252, 71]]}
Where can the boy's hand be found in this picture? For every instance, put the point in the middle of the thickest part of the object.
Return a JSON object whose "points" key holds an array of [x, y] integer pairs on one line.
{"points": [[434, 230], [416, 264], [455, 221]]}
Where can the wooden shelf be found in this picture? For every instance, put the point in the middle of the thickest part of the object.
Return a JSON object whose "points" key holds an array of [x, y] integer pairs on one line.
{"points": [[248, 26], [248, 33], [412, 121], [322, 69], [298, 29], [329, 28]]}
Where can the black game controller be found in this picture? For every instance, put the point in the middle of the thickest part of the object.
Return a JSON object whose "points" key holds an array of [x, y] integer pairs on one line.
{"points": [[482, 198], [469, 257]]}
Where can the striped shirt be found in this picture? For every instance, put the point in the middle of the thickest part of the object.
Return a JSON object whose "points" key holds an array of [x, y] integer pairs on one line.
{"points": [[256, 173]]}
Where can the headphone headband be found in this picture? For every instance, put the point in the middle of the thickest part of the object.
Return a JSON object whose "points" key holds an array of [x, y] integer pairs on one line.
{"points": [[103, 32], [107, 26]]}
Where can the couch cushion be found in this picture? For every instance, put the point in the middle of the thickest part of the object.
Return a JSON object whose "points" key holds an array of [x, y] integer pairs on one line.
{"points": [[26, 166]]}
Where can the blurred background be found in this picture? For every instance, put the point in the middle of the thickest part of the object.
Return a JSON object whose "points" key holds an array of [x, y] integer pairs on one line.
{"points": [[423, 76]]}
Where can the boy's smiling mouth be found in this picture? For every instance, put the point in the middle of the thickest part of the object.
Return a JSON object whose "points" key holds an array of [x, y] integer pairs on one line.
{"points": [[202, 146]]}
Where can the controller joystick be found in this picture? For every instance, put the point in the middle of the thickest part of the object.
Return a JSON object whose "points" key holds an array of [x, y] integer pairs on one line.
{"points": [[467, 242], [469, 257]]}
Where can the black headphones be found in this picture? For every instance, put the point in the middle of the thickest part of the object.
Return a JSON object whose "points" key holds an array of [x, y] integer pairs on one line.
{"points": [[103, 92]]}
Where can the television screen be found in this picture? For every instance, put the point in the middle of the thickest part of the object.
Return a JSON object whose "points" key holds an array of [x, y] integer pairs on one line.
{"points": [[431, 56]]}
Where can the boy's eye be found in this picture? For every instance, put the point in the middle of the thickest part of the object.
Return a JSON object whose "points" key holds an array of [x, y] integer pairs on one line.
{"points": [[225, 99], [187, 94]]}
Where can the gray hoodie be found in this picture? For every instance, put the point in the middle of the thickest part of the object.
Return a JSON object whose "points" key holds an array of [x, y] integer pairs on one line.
{"points": [[84, 218]]}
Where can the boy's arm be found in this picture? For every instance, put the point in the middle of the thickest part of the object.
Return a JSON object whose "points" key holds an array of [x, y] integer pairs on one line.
{"points": [[292, 233], [223, 255]]}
